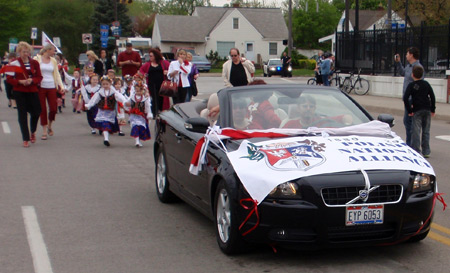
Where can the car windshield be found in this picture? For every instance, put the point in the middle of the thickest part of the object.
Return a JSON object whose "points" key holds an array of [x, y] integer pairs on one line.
{"points": [[275, 62], [293, 108], [199, 59]]}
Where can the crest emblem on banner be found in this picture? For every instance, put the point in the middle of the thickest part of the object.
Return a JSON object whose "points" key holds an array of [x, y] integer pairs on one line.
{"points": [[289, 156]]}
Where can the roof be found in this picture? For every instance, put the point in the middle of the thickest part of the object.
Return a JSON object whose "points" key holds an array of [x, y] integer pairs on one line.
{"points": [[269, 22], [366, 17]]}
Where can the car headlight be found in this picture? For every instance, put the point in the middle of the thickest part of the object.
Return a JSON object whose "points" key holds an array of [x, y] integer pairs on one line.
{"points": [[290, 68], [285, 190], [272, 69], [422, 182]]}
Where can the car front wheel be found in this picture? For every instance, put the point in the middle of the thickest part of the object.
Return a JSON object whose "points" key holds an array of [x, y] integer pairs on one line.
{"points": [[162, 183], [227, 231]]}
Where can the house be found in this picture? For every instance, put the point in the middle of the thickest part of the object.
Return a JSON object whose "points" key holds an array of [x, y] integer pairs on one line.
{"points": [[368, 19], [258, 33]]}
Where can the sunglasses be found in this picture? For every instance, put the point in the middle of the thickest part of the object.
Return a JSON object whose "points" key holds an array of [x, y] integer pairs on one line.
{"points": [[234, 55]]}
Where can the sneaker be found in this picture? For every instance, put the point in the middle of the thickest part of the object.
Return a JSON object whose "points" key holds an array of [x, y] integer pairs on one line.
{"points": [[93, 131], [426, 156], [139, 145], [106, 142], [121, 133]]}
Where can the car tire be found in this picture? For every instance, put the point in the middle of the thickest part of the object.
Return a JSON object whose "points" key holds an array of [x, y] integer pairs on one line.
{"points": [[227, 228], [418, 238], [269, 75], [161, 180]]}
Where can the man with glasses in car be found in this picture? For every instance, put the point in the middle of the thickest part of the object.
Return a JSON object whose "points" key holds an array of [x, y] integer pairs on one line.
{"points": [[237, 71]]}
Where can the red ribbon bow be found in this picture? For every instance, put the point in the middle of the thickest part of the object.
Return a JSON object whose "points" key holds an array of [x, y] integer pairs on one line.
{"points": [[253, 209]]}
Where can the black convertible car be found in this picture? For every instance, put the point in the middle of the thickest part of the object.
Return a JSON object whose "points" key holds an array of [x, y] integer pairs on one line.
{"points": [[333, 207]]}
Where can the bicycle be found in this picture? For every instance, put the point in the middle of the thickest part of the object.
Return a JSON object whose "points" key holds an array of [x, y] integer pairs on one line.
{"points": [[337, 80], [360, 85], [312, 81]]}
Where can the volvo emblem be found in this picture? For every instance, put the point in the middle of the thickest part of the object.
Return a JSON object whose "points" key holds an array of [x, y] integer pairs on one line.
{"points": [[364, 195]]}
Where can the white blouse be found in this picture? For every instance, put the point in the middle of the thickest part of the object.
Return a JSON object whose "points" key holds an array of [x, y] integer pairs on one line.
{"points": [[47, 75]]}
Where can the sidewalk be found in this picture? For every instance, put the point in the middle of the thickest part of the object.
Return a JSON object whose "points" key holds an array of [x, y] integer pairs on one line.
{"points": [[394, 106]]}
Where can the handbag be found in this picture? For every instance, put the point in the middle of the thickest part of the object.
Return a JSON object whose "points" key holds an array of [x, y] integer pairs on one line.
{"points": [[194, 89], [168, 89]]}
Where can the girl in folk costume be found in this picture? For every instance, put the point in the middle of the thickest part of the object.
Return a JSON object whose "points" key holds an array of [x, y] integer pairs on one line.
{"points": [[129, 88], [140, 112], [74, 84], [88, 91], [106, 99], [118, 85]]}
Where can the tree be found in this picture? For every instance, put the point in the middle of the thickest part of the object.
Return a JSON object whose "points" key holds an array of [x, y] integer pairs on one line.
{"points": [[11, 27], [104, 14], [363, 4], [433, 12], [181, 7], [308, 25], [65, 19]]}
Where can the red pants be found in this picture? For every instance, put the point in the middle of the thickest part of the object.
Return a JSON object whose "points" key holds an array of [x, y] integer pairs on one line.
{"points": [[50, 94]]}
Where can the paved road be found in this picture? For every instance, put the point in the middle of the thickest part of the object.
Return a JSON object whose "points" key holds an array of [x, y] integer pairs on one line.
{"points": [[69, 204]]}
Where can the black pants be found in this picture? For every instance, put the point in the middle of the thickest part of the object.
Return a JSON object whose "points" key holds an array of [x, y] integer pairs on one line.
{"points": [[27, 102], [181, 96], [9, 89]]}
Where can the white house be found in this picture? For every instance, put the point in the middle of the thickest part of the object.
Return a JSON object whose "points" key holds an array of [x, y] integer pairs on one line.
{"points": [[258, 33], [368, 19]]}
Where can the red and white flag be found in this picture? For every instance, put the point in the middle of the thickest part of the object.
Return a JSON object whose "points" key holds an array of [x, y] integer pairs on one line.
{"points": [[46, 40]]}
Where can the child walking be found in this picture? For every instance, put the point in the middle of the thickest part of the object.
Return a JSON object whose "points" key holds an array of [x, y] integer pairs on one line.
{"points": [[88, 92], [422, 109], [105, 99], [118, 85], [140, 113], [74, 84]]}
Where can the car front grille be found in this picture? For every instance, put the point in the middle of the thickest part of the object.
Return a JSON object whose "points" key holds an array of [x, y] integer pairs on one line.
{"points": [[383, 194], [360, 233]]}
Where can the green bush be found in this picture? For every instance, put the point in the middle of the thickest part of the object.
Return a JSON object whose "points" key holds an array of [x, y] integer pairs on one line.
{"points": [[306, 63]]}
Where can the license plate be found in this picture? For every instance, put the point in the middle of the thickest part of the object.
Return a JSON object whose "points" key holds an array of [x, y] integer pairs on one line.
{"points": [[364, 215]]}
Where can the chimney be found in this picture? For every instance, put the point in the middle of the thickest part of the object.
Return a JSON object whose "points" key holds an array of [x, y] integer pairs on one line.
{"points": [[236, 5]]}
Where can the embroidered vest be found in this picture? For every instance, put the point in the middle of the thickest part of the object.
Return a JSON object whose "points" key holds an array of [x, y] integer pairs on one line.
{"points": [[138, 106], [78, 84], [108, 103]]}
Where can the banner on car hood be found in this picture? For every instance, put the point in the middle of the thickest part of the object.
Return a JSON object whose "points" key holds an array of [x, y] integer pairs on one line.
{"points": [[263, 166]]}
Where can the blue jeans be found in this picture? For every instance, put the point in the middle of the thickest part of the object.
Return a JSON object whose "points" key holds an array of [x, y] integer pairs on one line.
{"points": [[325, 80], [407, 121], [421, 122]]}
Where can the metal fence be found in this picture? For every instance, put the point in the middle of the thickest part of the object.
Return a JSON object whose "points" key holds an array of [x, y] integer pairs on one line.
{"points": [[373, 50]]}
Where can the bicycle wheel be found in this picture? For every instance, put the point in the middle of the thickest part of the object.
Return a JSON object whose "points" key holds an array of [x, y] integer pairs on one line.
{"points": [[312, 81], [347, 86], [361, 86], [333, 82]]}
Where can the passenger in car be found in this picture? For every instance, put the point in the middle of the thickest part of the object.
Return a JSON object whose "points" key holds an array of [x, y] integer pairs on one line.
{"points": [[239, 115], [261, 113], [307, 117]]}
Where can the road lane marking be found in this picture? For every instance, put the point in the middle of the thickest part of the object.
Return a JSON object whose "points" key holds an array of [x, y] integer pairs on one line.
{"points": [[440, 228], [38, 249], [444, 137], [5, 126], [439, 238]]}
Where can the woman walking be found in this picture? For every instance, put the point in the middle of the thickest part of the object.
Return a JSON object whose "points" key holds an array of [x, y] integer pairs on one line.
{"points": [[95, 63], [156, 73], [25, 90], [50, 85], [192, 78], [178, 72]]}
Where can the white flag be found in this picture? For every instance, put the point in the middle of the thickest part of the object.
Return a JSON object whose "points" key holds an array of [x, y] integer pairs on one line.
{"points": [[46, 40]]}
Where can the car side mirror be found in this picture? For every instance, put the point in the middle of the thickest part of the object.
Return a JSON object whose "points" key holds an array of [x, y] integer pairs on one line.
{"points": [[387, 118], [197, 125]]}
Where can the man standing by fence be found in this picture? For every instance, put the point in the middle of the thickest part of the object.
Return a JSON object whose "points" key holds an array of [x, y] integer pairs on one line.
{"points": [[412, 57]]}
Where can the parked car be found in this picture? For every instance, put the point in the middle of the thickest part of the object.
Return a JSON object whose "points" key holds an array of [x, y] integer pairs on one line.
{"points": [[275, 67], [346, 181], [439, 66], [202, 63]]}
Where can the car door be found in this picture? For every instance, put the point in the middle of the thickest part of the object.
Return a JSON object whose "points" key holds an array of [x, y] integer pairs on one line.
{"points": [[194, 187]]}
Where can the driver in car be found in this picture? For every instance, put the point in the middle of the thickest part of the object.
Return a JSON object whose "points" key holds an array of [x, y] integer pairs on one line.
{"points": [[307, 116]]}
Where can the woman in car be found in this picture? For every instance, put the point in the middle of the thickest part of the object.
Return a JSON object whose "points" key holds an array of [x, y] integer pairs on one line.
{"points": [[261, 113]]}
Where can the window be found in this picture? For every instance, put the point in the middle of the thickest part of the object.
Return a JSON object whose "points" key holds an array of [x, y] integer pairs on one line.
{"points": [[273, 49], [235, 23]]}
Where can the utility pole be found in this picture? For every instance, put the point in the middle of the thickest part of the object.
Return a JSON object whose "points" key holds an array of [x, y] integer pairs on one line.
{"points": [[290, 29]]}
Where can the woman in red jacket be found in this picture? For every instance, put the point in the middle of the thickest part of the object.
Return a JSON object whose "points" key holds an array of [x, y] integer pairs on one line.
{"points": [[25, 80]]}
